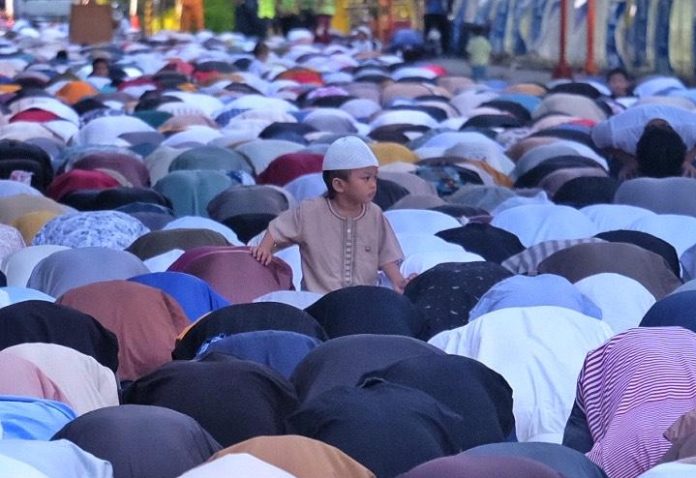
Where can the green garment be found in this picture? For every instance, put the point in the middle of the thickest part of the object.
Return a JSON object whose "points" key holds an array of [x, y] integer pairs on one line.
{"points": [[479, 50]]}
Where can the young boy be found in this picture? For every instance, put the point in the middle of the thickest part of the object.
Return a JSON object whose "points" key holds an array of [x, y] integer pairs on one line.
{"points": [[619, 82], [479, 50], [344, 238]]}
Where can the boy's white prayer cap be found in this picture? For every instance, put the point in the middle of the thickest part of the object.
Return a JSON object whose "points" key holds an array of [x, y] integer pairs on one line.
{"points": [[348, 152]]}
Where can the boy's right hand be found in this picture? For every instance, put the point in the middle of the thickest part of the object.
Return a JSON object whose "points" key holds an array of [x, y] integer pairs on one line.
{"points": [[262, 254]]}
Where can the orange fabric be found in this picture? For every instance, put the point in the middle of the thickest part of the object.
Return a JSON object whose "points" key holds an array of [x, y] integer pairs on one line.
{"points": [[74, 91], [192, 16], [10, 88]]}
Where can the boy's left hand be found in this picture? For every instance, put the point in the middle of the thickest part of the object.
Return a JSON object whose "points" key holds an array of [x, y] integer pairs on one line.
{"points": [[401, 286]]}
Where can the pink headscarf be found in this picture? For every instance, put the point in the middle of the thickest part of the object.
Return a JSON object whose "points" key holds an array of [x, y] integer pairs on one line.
{"points": [[632, 389]]}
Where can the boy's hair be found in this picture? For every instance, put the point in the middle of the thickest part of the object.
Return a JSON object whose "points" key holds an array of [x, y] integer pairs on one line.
{"points": [[98, 61], [618, 71], [260, 49], [660, 152], [329, 176]]}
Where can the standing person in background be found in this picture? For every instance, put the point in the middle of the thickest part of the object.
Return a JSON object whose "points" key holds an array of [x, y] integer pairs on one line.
{"points": [[324, 11], [436, 18], [247, 21], [192, 16], [479, 50], [307, 17], [287, 16]]}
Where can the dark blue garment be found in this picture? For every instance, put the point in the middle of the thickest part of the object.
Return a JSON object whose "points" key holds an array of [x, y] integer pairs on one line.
{"points": [[277, 349], [386, 427], [234, 400], [577, 432], [673, 310], [367, 310], [447, 292], [568, 462], [193, 294], [141, 441], [240, 318], [490, 242], [28, 418], [476, 393], [345, 360]]}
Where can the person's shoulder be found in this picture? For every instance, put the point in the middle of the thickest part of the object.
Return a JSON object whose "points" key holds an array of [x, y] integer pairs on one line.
{"points": [[372, 210], [372, 207], [313, 205]]}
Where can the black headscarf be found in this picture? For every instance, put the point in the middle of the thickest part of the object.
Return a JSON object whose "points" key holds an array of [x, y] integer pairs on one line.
{"points": [[388, 193], [586, 191], [141, 440], [386, 427], [447, 292], [113, 198], [41, 321], [232, 399], [673, 310], [247, 226], [479, 395], [345, 360], [490, 242], [246, 318], [367, 310]]}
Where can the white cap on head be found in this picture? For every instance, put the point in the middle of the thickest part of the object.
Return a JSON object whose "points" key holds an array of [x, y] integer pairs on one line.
{"points": [[349, 152]]}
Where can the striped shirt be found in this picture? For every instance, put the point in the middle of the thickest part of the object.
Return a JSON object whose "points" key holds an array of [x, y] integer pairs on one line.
{"points": [[632, 389]]}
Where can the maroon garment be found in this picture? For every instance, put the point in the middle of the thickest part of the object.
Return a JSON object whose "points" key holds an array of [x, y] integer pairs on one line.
{"points": [[472, 466], [129, 167], [77, 179], [290, 166], [34, 115], [234, 273], [145, 320]]}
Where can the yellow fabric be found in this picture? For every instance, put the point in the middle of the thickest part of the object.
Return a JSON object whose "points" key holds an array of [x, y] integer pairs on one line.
{"points": [[29, 224], [74, 91], [393, 152], [13, 207]]}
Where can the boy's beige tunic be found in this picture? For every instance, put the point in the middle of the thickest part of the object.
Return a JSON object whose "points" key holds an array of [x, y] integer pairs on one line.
{"points": [[337, 251]]}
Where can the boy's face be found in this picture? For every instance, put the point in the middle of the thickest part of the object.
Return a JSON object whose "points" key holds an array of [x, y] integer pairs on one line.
{"points": [[361, 185], [100, 69], [619, 84]]}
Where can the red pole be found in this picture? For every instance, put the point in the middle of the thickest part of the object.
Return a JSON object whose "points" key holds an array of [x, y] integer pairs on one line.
{"points": [[590, 66], [562, 69]]}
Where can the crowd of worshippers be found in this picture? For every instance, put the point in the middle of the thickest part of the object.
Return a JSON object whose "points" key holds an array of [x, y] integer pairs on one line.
{"points": [[221, 258]]}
